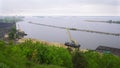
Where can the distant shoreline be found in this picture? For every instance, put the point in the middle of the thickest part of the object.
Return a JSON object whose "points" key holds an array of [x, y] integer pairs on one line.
{"points": [[109, 21]]}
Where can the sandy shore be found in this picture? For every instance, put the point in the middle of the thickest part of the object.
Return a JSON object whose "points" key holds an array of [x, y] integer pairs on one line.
{"points": [[42, 41], [48, 43]]}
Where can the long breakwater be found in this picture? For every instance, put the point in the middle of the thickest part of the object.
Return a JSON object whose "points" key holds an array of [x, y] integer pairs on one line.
{"points": [[76, 29]]}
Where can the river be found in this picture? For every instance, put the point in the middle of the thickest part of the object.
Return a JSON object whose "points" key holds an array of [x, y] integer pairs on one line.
{"points": [[85, 39]]}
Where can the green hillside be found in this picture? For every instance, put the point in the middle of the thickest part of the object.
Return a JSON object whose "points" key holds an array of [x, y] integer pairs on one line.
{"points": [[39, 55]]}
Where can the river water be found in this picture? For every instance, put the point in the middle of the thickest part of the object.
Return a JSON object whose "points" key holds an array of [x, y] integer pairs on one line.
{"points": [[85, 39]]}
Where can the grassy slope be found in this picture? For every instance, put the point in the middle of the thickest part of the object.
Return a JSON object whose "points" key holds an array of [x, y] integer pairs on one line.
{"points": [[12, 59], [37, 55]]}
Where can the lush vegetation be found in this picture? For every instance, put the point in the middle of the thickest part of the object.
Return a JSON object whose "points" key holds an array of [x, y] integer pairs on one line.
{"points": [[39, 55], [12, 34], [30, 55], [97, 60], [15, 34]]}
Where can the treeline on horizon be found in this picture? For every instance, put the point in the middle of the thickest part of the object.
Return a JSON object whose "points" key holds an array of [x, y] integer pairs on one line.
{"points": [[109, 21], [10, 19]]}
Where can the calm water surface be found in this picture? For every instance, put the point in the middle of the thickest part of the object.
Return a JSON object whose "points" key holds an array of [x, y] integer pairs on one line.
{"points": [[87, 40]]}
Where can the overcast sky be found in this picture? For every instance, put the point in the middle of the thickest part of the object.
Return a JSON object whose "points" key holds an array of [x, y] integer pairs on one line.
{"points": [[60, 7]]}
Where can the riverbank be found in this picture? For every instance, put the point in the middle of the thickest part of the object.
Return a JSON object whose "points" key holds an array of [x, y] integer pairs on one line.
{"points": [[42, 41], [48, 43]]}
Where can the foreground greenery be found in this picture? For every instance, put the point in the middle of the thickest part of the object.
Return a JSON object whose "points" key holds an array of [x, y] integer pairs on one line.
{"points": [[33, 55], [39, 55]]}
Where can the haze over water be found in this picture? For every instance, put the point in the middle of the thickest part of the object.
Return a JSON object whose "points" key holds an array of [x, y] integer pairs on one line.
{"points": [[85, 39]]}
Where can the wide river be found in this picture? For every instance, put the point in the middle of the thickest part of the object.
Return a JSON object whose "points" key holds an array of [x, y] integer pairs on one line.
{"points": [[85, 39]]}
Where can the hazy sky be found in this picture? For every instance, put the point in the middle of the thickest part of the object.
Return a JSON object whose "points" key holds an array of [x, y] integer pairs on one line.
{"points": [[60, 7]]}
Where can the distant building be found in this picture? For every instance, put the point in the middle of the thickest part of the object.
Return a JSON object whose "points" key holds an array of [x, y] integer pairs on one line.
{"points": [[105, 49], [5, 28]]}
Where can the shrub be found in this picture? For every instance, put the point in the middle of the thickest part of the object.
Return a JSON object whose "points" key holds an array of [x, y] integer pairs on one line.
{"points": [[2, 65], [17, 56], [44, 54], [78, 60], [39, 55], [98, 60]]}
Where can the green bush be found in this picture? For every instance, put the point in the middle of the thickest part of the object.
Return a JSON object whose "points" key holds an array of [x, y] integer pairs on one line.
{"points": [[78, 60], [2, 45], [2, 65], [21, 56], [39, 55], [8, 59], [12, 34], [110, 61], [97, 60], [43, 54]]}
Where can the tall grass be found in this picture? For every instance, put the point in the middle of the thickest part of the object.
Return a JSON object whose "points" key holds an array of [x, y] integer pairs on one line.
{"points": [[43, 54], [39, 55], [97, 60], [25, 54]]}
